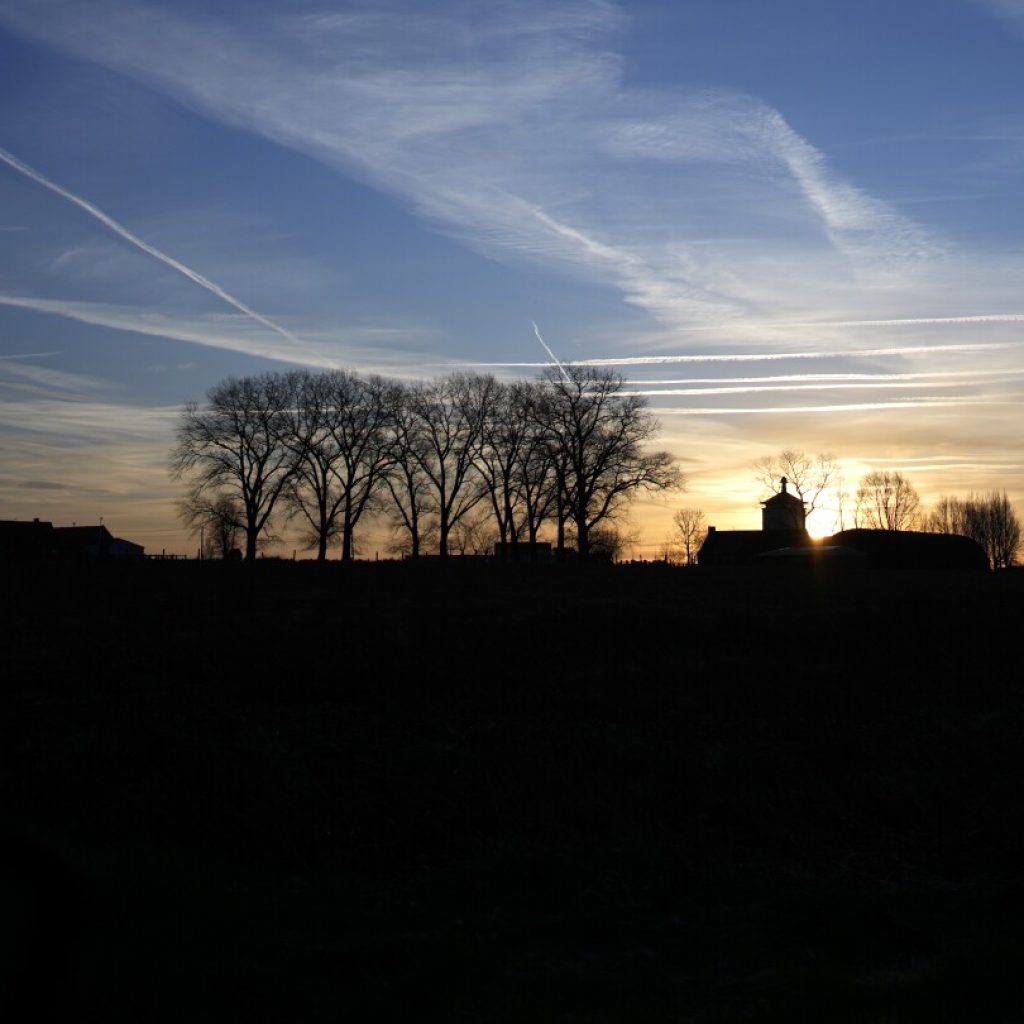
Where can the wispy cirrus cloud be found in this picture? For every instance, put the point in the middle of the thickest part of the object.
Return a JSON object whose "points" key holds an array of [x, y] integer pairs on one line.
{"points": [[1011, 10], [515, 131], [20, 374], [378, 348]]}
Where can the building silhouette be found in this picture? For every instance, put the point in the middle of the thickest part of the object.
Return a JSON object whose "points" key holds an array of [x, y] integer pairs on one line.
{"points": [[782, 528], [783, 511], [40, 541], [783, 539]]}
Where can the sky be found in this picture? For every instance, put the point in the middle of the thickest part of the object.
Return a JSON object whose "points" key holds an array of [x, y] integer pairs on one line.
{"points": [[789, 225]]}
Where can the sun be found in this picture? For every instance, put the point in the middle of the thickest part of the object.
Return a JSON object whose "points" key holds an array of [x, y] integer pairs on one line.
{"points": [[820, 523]]}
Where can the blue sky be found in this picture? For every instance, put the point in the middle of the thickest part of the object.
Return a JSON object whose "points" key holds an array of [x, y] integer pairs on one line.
{"points": [[792, 224]]}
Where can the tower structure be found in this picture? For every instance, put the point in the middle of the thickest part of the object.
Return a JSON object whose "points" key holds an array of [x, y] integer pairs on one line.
{"points": [[783, 511]]}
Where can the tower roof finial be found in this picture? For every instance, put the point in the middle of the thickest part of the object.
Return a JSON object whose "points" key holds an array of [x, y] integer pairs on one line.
{"points": [[784, 482]]}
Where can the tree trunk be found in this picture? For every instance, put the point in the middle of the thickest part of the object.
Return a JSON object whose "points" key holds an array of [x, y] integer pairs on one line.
{"points": [[582, 538], [346, 536], [560, 534], [442, 544], [502, 538], [321, 540]]}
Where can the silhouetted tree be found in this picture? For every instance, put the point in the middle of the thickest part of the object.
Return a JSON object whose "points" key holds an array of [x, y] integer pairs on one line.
{"points": [[989, 520], [515, 463], [886, 500], [236, 446], [338, 431], [504, 432], [609, 542], [473, 534], [449, 414], [216, 518], [808, 475], [948, 516], [313, 493], [410, 511], [691, 528], [600, 433]]}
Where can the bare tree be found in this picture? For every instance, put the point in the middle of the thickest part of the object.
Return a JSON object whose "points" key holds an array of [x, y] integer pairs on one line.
{"points": [[235, 445], [473, 534], [600, 433], [449, 414], [950, 515], [338, 430], [313, 494], [608, 542], [990, 520], [362, 413], [842, 506], [691, 529], [515, 463], [411, 508], [808, 475], [886, 500], [504, 433], [218, 520], [1004, 532], [669, 551]]}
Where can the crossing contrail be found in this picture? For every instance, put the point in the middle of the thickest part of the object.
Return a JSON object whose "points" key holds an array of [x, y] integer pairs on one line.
{"points": [[561, 369], [122, 232]]}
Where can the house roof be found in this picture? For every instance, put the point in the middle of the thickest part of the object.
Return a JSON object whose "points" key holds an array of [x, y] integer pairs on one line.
{"points": [[84, 534], [908, 549], [730, 546], [784, 498]]}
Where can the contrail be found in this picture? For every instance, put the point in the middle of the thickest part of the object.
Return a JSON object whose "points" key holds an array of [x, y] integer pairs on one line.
{"points": [[920, 403], [561, 369], [797, 378], [916, 321], [749, 389], [756, 357], [121, 231]]}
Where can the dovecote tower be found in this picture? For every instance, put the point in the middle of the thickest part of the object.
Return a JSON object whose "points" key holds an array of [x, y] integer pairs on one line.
{"points": [[783, 511]]}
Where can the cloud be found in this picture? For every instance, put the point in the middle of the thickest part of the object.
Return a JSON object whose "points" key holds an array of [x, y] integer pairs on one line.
{"points": [[122, 232], [375, 348], [19, 374], [77, 424], [1011, 10], [515, 131]]}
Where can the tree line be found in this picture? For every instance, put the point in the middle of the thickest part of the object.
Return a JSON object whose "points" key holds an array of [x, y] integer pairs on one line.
{"points": [[565, 452]]}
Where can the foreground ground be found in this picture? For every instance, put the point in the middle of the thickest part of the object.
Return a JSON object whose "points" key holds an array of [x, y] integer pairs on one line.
{"points": [[288, 792]]}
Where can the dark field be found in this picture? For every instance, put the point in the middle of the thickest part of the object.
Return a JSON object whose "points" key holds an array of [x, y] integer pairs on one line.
{"points": [[470, 792]]}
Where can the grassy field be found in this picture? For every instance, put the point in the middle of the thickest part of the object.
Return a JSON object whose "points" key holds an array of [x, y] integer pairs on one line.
{"points": [[512, 793]]}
